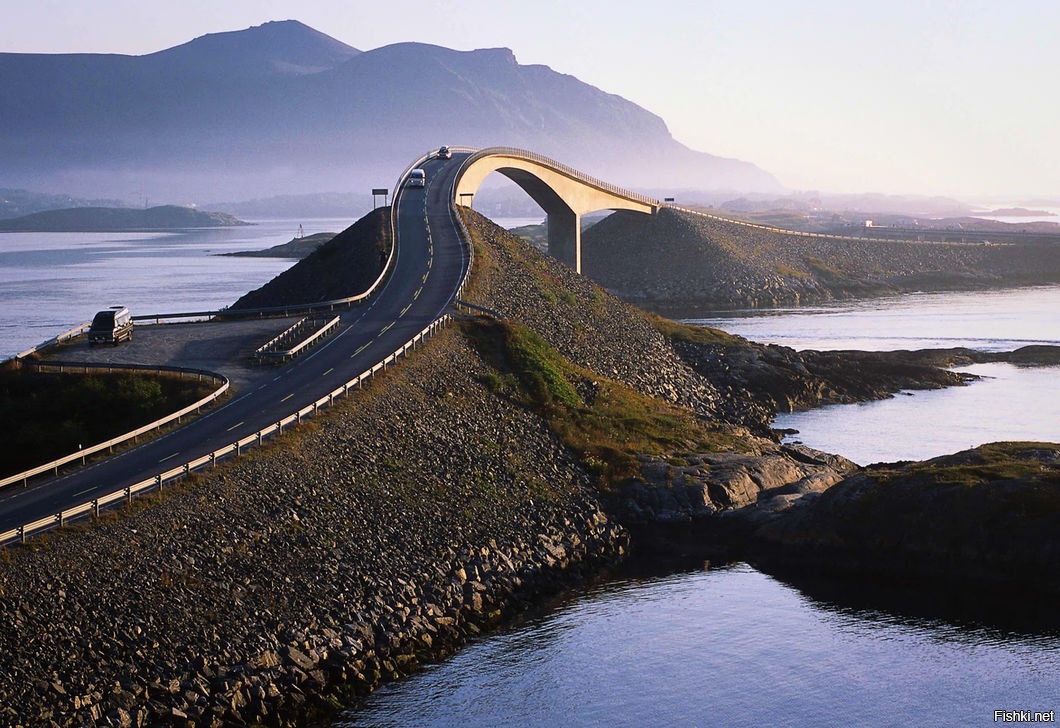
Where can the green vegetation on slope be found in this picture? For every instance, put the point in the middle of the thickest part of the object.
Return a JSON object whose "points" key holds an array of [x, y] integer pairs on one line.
{"points": [[605, 422], [46, 416], [677, 331]]}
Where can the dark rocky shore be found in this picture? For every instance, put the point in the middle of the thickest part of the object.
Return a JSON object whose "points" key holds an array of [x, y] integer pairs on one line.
{"points": [[711, 263], [501, 462]]}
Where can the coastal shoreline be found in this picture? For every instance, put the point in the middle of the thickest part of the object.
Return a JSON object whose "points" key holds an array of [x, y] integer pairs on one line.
{"points": [[392, 528]]}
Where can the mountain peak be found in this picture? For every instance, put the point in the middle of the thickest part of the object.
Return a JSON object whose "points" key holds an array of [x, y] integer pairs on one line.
{"points": [[285, 47]]}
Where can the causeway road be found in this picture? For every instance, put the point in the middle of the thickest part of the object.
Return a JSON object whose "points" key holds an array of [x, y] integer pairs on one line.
{"points": [[430, 263]]}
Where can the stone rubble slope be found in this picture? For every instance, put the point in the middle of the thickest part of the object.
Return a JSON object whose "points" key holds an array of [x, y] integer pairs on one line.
{"points": [[680, 259]]}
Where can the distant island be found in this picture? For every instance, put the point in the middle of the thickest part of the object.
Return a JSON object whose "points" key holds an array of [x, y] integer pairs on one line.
{"points": [[118, 219], [297, 248], [1017, 212]]}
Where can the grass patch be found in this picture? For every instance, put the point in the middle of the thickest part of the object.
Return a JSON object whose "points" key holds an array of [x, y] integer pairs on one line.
{"points": [[991, 463], [676, 331], [611, 429], [46, 416], [824, 269], [788, 272]]}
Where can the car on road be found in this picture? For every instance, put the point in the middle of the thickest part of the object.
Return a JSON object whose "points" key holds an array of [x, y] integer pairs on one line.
{"points": [[445, 153], [111, 326], [417, 178]]}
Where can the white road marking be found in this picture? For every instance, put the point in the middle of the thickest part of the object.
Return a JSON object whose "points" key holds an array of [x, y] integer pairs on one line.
{"points": [[170, 457], [238, 424]]}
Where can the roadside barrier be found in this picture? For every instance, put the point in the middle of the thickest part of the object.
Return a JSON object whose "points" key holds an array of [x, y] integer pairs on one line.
{"points": [[319, 329], [160, 480], [84, 368]]}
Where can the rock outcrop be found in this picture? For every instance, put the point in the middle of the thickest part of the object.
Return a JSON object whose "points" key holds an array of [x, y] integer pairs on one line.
{"points": [[990, 514]]}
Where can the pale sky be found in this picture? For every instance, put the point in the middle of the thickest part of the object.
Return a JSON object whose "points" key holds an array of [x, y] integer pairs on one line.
{"points": [[953, 97]]}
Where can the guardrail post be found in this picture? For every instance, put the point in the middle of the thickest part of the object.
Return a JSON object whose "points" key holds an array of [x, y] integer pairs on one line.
{"points": [[61, 516], [128, 494], [235, 446], [158, 482], [187, 469], [95, 508], [259, 437], [213, 459], [22, 534]]}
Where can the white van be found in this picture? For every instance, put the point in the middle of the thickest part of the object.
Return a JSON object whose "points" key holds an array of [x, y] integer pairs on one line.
{"points": [[111, 326], [417, 178]]}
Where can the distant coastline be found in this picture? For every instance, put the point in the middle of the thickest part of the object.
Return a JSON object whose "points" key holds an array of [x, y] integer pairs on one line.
{"points": [[118, 219]]}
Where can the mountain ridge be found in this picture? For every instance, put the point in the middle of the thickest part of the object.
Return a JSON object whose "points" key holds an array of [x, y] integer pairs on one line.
{"points": [[282, 107]]}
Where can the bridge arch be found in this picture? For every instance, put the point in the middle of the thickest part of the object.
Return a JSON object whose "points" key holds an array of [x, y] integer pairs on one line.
{"points": [[565, 194]]}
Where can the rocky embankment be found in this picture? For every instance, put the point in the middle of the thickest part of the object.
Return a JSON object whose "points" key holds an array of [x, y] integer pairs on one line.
{"points": [[989, 514], [677, 261], [503, 460], [382, 534], [342, 267]]}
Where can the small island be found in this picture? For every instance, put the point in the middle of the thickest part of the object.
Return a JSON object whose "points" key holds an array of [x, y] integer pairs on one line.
{"points": [[296, 248], [1017, 212], [118, 219]]}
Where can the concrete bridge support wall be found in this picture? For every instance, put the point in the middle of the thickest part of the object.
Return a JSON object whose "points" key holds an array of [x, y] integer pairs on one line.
{"points": [[565, 238]]}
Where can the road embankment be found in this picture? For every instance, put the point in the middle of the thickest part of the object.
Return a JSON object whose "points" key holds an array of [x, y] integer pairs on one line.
{"points": [[678, 261]]}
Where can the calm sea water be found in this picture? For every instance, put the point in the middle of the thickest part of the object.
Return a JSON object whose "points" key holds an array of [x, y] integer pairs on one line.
{"points": [[50, 282], [735, 647], [1009, 403], [729, 647]]}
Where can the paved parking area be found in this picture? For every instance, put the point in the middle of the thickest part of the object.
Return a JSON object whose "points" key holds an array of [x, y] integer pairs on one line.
{"points": [[226, 347]]}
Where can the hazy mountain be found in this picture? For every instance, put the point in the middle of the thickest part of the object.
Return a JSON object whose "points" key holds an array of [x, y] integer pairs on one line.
{"points": [[15, 203], [281, 108]]}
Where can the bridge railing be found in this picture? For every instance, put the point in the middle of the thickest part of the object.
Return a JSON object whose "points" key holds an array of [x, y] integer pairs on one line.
{"points": [[561, 168], [799, 233], [84, 368]]}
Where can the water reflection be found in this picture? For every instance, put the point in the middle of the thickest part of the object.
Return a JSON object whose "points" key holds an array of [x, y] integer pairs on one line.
{"points": [[733, 646]]}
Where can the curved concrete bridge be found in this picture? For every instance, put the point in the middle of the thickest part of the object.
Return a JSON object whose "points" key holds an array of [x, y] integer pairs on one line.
{"points": [[565, 194]]}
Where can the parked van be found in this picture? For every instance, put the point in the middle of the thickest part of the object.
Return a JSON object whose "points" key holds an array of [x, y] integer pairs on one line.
{"points": [[111, 326], [417, 178]]}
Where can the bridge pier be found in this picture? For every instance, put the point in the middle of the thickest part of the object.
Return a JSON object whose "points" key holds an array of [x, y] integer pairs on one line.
{"points": [[565, 237]]}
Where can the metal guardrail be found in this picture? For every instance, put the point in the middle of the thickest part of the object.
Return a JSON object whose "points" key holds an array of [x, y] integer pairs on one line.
{"points": [[85, 367], [65, 336], [289, 353], [158, 481], [799, 233]]}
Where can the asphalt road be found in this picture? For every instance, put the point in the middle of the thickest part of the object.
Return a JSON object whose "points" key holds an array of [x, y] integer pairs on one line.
{"points": [[427, 272]]}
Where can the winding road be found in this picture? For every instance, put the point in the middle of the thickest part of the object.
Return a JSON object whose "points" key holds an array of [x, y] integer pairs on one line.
{"points": [[430, 264]]}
